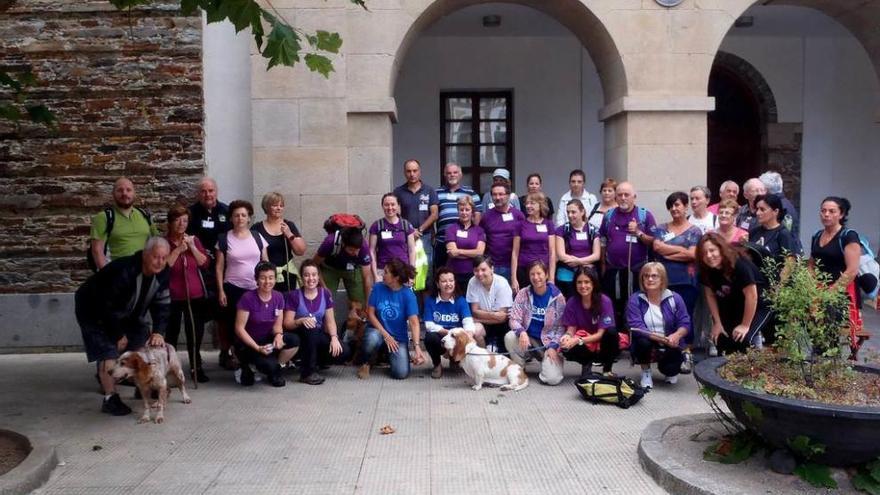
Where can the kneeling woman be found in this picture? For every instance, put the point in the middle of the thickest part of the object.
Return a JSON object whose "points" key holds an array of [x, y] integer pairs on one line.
{"points": [[659, 322], [259, 337], [391, 309], [308, 312], [590, 329], [535, 323], [444, 311]]}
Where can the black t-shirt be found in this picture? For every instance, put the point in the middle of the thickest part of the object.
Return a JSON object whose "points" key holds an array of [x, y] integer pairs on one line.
{"points": [[208, 226], [729, 292], [277, 247], [830, 256], [778, 241]]}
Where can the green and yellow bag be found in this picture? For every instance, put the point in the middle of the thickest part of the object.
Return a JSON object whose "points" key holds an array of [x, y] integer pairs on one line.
{"points": [[609, 388]]}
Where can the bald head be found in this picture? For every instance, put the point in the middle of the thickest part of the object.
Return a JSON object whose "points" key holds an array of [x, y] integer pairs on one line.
{"points": [[123, 193], [626, 196], [452, 172], [753, 187], [207, 193]]}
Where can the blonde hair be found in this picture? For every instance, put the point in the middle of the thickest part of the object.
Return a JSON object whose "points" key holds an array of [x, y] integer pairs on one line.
{"points": [[541, 200], [466, 200], [271, 199], [656, 267]]}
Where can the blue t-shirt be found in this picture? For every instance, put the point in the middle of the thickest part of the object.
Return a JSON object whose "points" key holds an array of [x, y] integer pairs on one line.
{"points": [[393, 307], [539, 307], [447, 314]]}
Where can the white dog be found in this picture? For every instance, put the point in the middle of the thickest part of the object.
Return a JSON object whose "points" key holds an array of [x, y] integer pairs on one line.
{"points": [[152, 368], [481, 365]]}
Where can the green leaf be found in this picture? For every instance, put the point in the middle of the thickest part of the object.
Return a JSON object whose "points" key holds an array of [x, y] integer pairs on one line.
{"points": [[865, 483], [816, 475], [188, 7], [282, 46], [39, 114], [241, 13], [709, 393], [327, 41], [803, 446], [319, 63], [753, 412], [732, 449], [873, 468], [9, 81], [10, 112]]}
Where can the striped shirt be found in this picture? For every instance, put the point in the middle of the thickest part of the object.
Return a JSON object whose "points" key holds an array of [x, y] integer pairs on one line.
{"points": [[449, 207]]}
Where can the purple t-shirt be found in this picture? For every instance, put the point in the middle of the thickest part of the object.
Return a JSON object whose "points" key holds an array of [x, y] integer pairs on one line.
{"points": [[580, 242], [391, 241], [261, 315], [533, 241], [617, 238], [343, 261], [500, 228], [301, 306], [463, 239], [591, 320]]}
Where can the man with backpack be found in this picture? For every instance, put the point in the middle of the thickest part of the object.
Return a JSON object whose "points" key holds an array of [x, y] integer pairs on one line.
{"points": [[627, 232], [344, 255], [120, 230]]}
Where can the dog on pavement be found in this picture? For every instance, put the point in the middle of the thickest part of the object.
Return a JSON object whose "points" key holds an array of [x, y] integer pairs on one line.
{"points": [[152, 369], [481, 365], [355, 325]]}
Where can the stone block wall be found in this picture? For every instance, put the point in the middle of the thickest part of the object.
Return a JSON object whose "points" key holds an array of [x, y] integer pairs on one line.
{"points": [[127, 91]]}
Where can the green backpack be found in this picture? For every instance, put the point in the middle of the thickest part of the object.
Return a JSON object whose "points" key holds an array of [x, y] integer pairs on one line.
{"points": [[609, 388]]}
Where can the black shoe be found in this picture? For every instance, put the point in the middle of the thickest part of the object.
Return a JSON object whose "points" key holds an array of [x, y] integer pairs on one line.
{"points": [[313, 379], [199, 376], [247, 376], [226, 361], [277, 381], [114, 405]]}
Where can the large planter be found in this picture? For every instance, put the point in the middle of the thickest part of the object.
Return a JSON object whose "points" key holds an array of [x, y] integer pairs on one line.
{"points": [[851, 435]]}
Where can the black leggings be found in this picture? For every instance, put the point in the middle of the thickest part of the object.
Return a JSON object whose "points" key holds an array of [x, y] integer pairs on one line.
{"points": [[668, 359], [268, 365], [609, 348], [434, 346], [314, 350], [180, 310]]}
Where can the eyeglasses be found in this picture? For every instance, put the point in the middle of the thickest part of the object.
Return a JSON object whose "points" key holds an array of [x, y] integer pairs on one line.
{"points": [[651, 276]]}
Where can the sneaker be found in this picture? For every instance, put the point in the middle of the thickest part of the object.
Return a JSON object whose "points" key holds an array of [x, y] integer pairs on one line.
{"points": [[647, 379], [586, 370], [713, 351], [113, 405], [244, 376], [672, 380], [313, 379], [277, 380], [363, 372], [688, 364], [437, 372]]}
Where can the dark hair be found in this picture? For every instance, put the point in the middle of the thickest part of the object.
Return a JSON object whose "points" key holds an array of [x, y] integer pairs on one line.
{"points": [[577, 171], [240, 203], [176, 212], [590, 273], [580, 206], [411, 160], [308, 262], [400, 270], [729, 254], [263, 266], [537, 263], [677, 196], [479, 260], [499, 183], [529, 178], [443, 270], [774, 202], [844, 206], [351, 237], [389, 195]]}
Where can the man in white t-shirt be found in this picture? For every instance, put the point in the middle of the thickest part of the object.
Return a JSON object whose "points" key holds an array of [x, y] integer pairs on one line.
{"points": [[700, 216], [576, 181], [491, 298]]}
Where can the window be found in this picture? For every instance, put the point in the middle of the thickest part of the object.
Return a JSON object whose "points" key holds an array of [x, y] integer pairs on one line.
{"points": [[476, 132]]}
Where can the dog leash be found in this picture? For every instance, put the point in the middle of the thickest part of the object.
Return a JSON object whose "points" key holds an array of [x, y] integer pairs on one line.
{"points": [[530, 349]]}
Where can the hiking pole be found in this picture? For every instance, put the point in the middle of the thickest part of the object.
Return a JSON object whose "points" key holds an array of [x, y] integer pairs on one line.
{"points": [[286, 260], [629, 285], [192, 324]]}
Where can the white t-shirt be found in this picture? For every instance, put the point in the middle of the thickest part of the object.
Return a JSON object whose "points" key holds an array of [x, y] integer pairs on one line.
{"points": [[654, 319], [706, 224], [588, 199], [499, 295]]}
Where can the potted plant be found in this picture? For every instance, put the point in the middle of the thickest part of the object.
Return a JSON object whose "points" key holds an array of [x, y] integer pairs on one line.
{"points": [[803, 390]]}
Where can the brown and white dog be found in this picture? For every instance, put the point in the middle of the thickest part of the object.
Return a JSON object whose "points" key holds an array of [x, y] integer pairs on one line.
{"points": [[355, 324], [152, 368], [481, 365]]}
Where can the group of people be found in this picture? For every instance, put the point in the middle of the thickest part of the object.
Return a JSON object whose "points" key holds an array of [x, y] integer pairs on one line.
{"points": [[598, 276]]}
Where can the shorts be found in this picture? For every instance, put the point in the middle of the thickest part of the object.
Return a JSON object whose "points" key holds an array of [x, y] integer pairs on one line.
{"points": [[101, 347]]}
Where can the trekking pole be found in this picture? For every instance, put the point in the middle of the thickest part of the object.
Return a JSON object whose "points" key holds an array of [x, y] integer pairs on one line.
{"points": [[287, 261], [629, 285], [192, 324]]}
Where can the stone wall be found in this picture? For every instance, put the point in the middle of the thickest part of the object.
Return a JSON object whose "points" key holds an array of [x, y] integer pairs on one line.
{"points": [[127, 91]]}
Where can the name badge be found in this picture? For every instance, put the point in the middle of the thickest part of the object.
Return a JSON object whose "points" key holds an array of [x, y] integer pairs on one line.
{"points": [[507, 217], [349, 266], [423, 207], [277, 312], [461, 234], [668, 236], [744, 225], [581, 236], [386, 234], [207, 224], [541, 227], [631, 239], [491, 205]]}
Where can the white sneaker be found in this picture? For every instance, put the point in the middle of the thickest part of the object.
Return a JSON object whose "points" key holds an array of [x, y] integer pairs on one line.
{"points": [[647, 379], [672, 380]]}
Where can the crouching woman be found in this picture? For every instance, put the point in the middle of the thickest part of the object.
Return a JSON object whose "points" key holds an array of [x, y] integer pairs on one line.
{"points": [[659, 323], [259, 337], [535, 323], [590, 330]]}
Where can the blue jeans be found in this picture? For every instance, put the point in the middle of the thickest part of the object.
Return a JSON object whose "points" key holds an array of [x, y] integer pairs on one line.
{"points": [[399, 360]]}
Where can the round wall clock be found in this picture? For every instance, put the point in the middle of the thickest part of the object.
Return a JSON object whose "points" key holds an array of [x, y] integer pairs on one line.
{"points": [[669, 3]]}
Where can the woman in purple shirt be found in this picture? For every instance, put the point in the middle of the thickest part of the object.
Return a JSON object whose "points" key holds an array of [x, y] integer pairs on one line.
{"points": [[464, 242], [535, 239], [577, 244], [259, 337], [391, 237], [590, 329]]}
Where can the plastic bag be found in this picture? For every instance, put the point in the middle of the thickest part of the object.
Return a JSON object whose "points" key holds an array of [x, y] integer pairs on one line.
{"points": [[421, 266]]}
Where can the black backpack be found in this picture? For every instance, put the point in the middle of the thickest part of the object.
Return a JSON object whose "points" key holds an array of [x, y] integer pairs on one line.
{"points": [[610, 389], [110, 213]]}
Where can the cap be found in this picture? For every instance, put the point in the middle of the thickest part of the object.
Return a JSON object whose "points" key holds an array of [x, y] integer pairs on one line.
{"points": [[501, 172]]}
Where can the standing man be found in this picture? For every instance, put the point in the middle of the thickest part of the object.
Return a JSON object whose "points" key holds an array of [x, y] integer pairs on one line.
{"points": [[747, 218], [576, 180], [420, 207], [728, 190], [500, 225], [111, 309], [627, 232], [344, 255], [500, 175], [448, 198], [121, 229]]}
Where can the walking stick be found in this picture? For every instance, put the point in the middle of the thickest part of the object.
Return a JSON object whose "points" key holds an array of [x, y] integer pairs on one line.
{"points": [[287, 261], [192, 324], [629, 285]]}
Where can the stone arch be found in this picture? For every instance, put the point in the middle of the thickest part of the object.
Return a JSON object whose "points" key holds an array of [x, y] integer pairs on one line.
{"points": [[755, 80], [573, 14]]}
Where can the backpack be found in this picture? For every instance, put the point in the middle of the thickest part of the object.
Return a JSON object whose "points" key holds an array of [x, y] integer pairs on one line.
{"points": [[758, 253], [339, 221], [609, 388], [223, 242], [110, 213], [405, 225], [867, 261], [641, 213]]}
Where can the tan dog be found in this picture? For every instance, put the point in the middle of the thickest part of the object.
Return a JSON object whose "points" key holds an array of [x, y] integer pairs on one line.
{"points": [[483, 366], [355, 324], [152, 368]]}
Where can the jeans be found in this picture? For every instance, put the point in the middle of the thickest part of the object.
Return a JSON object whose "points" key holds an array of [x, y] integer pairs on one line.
{"points": [[551, 371], [399, 360]]}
